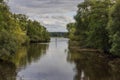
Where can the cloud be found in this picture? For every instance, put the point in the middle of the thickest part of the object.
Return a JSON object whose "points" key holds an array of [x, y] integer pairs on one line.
{"points": [[53, 14]]}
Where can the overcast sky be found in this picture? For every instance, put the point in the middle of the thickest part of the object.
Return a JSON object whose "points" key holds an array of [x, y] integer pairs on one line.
{"points": [[53, 14]]}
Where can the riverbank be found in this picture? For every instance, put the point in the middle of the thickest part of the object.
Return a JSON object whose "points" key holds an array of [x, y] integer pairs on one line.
{"points": [[94, 66]]}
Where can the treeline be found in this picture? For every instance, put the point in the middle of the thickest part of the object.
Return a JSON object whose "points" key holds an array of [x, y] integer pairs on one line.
{"points": [[58, 34], [97, 25], [17, 30]]}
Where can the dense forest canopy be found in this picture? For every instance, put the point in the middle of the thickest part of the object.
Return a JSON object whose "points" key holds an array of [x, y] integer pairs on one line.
{"points": [[17, 30], [58, 34], [97, 25]]}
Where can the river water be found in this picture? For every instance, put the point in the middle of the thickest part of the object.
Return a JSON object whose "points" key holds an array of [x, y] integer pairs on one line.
{"points": [[52, 65], [54, 61]]}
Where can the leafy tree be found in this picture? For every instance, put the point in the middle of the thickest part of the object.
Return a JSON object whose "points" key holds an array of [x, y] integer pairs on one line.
{"points": [[36, 32], [11, 35], [98, 35], [90, 24], [82, 20], [22, 20], [16, 31], [114, 28], [71, 30]]}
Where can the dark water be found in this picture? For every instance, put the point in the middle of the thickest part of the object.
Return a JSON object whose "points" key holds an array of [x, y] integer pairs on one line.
{"points": [[54, 61]]}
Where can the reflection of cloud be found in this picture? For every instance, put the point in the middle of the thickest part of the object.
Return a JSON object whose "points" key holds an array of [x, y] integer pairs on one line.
{"points": [[48, 12]]}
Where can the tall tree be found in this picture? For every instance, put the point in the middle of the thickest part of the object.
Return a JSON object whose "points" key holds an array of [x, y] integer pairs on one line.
{"points": [[91, 22], [37, 32], [82, 19], [71, 30], [11, 35], [114, 28], [98, 35], [14, 29]]}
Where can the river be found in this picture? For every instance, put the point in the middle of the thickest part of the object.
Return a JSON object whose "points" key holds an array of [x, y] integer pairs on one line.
{"points": [[54, 61], [52, 65]]}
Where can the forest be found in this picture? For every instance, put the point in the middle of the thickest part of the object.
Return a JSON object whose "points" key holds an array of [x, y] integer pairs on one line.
{"points": [[58, 34], [17, 30], [88, 51], [97, 26]]}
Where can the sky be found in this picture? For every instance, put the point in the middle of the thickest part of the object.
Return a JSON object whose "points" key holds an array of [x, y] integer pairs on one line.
{"points": [[53, 14]]}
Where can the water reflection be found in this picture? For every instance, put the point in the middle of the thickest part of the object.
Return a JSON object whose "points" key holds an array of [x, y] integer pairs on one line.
{"points": [[23, 57], [29, 54], [36, 51], [53, 62], [93, 66], [52, 66], [7, 70]]}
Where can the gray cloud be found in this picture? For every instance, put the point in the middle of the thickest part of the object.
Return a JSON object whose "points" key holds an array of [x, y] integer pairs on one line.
{"points": [[53, 14]]}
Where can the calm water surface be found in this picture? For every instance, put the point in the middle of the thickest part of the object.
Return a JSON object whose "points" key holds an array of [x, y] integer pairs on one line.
{"points": [[54, 61], [52, 65]]}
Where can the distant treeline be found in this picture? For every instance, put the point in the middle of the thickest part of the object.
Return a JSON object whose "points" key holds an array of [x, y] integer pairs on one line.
{"points": [[97, 25], [58, 34], [17, 30]]}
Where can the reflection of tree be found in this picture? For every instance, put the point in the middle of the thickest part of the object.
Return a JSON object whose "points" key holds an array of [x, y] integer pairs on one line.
{"points": [[7, 70], [92, 66], [23, 56], [35, 51], [20, 58], [26, 55]]}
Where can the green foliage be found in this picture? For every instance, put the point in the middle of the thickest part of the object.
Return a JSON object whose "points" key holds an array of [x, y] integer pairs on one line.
{"points": [[11, 35], [114, 28], [1, 1], [22, 20], [16, 29], [58, 34], [82, 16], [97, 25], [36, 32], [71, 30], [82, 20]]}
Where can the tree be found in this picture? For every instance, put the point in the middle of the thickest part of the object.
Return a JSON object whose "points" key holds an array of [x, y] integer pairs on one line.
{"points": [[98, 36], [71, 30], [34, 30], [22, 20], [114, 28], [37, 32], [14, 29], [82, 20], [91, 24], [11, 35]]}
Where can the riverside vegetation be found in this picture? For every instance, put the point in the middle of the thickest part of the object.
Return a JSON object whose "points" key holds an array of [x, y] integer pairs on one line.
{"points": [[97, 26], [17, 30]]}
